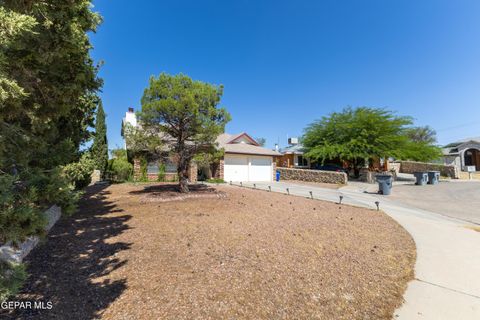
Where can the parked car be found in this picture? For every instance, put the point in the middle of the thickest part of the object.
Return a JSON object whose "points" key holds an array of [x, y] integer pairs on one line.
{"points": [[332, 167]]}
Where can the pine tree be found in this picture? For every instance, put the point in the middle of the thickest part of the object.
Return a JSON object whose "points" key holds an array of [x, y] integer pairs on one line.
{"points": [[100, 144], [188, 113]]}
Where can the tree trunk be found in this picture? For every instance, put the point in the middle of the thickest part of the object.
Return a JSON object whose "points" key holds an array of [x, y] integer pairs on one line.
{"points": [[213, 168], [184, 185], [182, 172], [356, 170]]}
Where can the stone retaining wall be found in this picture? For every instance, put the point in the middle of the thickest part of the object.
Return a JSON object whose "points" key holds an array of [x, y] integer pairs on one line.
{"points": [[445, 170], [16, 254], [96, 177], [312, 175]]}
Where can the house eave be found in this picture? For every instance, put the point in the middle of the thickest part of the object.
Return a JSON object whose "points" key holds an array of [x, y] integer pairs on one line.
{"points": [[253, 154]]}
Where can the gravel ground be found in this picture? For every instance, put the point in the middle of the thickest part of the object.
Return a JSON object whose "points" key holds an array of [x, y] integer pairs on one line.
{"points": [[251, 255]]}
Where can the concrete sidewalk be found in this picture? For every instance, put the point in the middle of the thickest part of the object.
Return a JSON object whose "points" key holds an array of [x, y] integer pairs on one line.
{"points": [[447, 270]]}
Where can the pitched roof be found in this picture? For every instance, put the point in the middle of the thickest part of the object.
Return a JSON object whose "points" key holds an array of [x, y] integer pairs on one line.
{"points": [[294, 148], [459, 142], [450, 151], [227, 142], [243, 134]]}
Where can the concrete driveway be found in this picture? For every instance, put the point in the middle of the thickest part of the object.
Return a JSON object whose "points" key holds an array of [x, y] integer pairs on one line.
{"points": [[447, 281], [456, 199]]}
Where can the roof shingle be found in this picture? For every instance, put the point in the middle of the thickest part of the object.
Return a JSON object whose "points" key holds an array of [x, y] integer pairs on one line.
{"points": [[242, 148]]}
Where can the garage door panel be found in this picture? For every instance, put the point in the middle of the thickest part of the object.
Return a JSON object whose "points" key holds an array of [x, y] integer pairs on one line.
{"points": [[235, 168], [260, 169]]}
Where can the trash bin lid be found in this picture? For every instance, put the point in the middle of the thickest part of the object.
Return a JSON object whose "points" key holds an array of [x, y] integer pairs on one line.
{"points": [[383, 177]]}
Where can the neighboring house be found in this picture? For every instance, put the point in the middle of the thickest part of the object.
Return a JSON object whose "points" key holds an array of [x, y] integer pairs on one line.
{"points": [[293, 156], [463, 153], [243, 160]]}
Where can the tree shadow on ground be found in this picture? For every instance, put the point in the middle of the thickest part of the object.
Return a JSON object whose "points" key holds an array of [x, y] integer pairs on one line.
{"points": [[173, 189], [64, 269]]}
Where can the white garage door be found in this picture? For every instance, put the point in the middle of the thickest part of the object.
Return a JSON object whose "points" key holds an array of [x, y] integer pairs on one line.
{"points": [[260, 169], [247, 168], [235, 168]]}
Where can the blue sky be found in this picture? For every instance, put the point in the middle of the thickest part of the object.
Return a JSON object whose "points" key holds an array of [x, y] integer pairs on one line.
{"points": [[286, 63]]}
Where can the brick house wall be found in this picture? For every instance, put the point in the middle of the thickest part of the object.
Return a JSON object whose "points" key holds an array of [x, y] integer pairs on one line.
{"points": [[136, 169], [220, 170], [193, 172], [286, 160], [168, 177]]}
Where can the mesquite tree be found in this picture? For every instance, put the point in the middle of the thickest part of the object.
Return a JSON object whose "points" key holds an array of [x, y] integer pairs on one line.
{"points": [[185, 113], [356, 135]]}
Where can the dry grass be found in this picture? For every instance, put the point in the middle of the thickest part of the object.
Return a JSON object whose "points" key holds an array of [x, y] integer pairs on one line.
{"points": [[252, 255]]}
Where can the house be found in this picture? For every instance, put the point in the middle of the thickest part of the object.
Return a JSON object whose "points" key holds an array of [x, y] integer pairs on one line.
{"points": [[293, 156], [243, 159], [154, 168], [463, 153], [130, 119]]}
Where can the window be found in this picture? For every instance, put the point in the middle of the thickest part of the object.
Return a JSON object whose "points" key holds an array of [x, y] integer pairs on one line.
{"points": [[301, 161], [170, 167], [152, 167], [469, 159]]}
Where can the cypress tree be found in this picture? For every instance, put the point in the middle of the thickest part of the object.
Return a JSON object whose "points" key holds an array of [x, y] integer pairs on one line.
{"points": [[100, 144], [48, 98]]}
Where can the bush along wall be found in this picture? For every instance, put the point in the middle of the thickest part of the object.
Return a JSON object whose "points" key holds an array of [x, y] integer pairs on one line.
{"points": [[161, 172]]}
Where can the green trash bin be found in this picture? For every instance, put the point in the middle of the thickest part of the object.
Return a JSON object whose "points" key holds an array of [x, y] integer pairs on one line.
{"points": [[384, 183], [421, 177], [433, 177]]}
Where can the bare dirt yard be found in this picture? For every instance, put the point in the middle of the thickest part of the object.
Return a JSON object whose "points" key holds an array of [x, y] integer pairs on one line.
{"points": [[244, 255]]}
